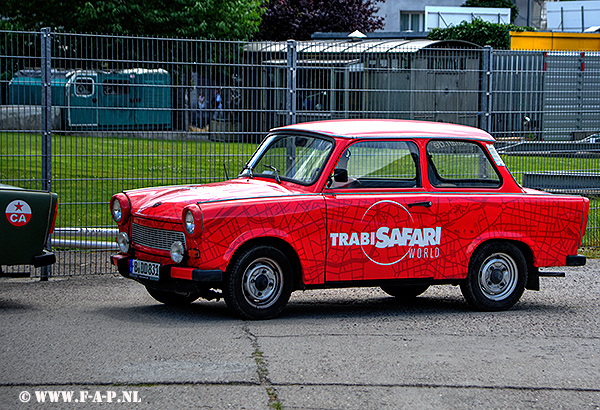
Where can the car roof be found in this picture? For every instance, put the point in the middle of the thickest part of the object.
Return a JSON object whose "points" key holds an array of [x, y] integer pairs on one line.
{"points": [[370, 128]]}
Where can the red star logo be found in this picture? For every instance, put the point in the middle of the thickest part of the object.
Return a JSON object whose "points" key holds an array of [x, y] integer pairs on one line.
{"points": [[19, 206]]}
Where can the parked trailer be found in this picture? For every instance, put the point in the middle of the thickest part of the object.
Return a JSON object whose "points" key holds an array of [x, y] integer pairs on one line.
{"points": [[126, 99], [102, 100], [25, 88]]}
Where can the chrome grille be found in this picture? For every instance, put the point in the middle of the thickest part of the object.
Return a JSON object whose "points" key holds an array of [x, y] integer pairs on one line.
{"points": [[155, 238]]}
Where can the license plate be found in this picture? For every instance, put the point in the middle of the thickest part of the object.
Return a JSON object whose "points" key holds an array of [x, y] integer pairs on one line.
{"points": [[143, 269]]}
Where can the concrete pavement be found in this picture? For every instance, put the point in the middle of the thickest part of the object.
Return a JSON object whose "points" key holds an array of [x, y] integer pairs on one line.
{"points": [[102, 337]]}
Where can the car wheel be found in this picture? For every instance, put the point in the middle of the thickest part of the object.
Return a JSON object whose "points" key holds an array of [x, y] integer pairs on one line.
{"points": [[405, 292], [259, 284], [497, 277], [173, 298]]}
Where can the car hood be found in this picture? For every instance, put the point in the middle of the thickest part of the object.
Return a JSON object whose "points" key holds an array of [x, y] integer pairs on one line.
{"points": [[9, 187], [167, 203]]}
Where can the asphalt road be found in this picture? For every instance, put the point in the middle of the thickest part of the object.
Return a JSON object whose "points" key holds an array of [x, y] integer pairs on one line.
{"points": [[105, 342]]}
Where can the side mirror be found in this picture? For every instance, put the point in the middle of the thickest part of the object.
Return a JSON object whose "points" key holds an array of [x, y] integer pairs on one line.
{"points": [[340, 175]]}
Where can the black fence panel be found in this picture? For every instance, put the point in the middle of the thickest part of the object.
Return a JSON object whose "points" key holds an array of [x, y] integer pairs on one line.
{"points": [[87, 116]]}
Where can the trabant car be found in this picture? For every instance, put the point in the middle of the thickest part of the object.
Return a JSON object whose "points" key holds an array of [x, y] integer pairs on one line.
{"points": [[29, 217], [397, 204]]}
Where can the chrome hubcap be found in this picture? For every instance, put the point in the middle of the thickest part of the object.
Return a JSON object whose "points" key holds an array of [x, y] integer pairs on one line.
{"points": [[262, 283], [498, 276]]}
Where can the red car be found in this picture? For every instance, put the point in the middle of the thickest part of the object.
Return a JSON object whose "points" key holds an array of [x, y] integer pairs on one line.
{"points": [[397, 204]]}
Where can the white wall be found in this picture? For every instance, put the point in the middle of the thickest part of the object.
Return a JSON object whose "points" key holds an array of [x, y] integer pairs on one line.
{"points": [[442, 17], [571, 18], [390, 10]]}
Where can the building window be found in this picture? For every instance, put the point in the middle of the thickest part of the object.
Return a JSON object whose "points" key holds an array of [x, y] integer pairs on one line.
{"points": [[411, 21]]}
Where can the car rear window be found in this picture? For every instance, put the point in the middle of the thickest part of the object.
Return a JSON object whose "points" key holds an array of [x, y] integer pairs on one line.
{"points": [[460, 164]]}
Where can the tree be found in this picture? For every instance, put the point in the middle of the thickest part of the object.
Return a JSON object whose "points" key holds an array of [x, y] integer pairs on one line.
{"points": [[214, 19], [299, 19], [514, 10], [478, 32]]}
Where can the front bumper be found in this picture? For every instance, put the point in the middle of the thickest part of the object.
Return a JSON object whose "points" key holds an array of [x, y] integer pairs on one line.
{"points": [[170, 274], [45, 259]]}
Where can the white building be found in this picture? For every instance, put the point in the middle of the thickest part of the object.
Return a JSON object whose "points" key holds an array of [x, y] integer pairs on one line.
{"points": [[573, 16], [408, 15], [443, 17]]}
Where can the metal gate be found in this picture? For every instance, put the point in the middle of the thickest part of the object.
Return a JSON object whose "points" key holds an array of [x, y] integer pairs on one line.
{"points": [[85, 128]]}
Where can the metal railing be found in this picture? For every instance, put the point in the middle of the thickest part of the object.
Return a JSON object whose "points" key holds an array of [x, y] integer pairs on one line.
{"points": [[87, 116]]}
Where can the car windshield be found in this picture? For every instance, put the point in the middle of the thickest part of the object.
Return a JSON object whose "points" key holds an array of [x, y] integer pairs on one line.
{"points": [[295, 158]]}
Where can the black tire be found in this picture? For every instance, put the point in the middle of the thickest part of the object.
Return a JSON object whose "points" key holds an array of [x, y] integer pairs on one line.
{"points": [[404, 292], [172, 298], [497, 277], [259, 284]]}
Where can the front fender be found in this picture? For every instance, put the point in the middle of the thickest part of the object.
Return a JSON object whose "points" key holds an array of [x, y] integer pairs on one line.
{"points": [[255, 234]]}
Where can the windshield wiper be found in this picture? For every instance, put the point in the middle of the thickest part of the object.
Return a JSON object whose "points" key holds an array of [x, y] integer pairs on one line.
{"points": [[276, 172]]}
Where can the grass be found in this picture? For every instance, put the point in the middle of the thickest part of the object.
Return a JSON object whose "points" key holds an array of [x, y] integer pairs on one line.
{"points": [[591, 253], [87, 171], [521, 164]]}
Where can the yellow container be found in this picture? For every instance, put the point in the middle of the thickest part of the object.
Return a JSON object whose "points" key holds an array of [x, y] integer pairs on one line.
{"points": [[551, 41]]}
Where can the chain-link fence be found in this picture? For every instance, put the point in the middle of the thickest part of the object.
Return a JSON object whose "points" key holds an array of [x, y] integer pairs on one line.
{"points": [[87, 116]]}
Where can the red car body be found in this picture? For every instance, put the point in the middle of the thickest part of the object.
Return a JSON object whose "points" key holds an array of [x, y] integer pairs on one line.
{"points": [[424, 203]]}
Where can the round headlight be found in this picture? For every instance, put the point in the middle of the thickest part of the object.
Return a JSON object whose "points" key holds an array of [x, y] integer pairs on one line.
{"points": [[193, 220], [123, 241], [115, 208], [189, 223], [177, 251], [119, 208]]}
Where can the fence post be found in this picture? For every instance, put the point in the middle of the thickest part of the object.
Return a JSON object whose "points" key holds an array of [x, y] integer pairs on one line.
{"points": [[46, 128], [580, 91], [292, 62], [486, 103]]}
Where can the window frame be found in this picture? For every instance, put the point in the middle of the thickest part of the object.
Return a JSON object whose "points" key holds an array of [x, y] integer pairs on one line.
{"points": [[462, 183], [86, 81], [268, 143], [384, 183], [410, 19]]}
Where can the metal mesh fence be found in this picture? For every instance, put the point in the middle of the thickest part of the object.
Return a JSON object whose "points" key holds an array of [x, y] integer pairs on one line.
{"points": [[91, 115]]}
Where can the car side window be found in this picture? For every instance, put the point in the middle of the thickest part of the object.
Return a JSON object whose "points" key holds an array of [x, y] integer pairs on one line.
{"points": [[378, 164], [460, 164]]}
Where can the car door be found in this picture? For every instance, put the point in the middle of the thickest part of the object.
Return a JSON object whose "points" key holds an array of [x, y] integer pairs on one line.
{"points": [[82, 94], [466, 185], [381, 222]]}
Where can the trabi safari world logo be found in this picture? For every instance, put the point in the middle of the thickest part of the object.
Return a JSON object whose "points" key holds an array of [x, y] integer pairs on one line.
{"points": [[18, 213], [391, 234]]}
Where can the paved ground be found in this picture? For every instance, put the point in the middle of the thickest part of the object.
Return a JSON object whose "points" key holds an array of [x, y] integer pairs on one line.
{"points": [[103, 338]]}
